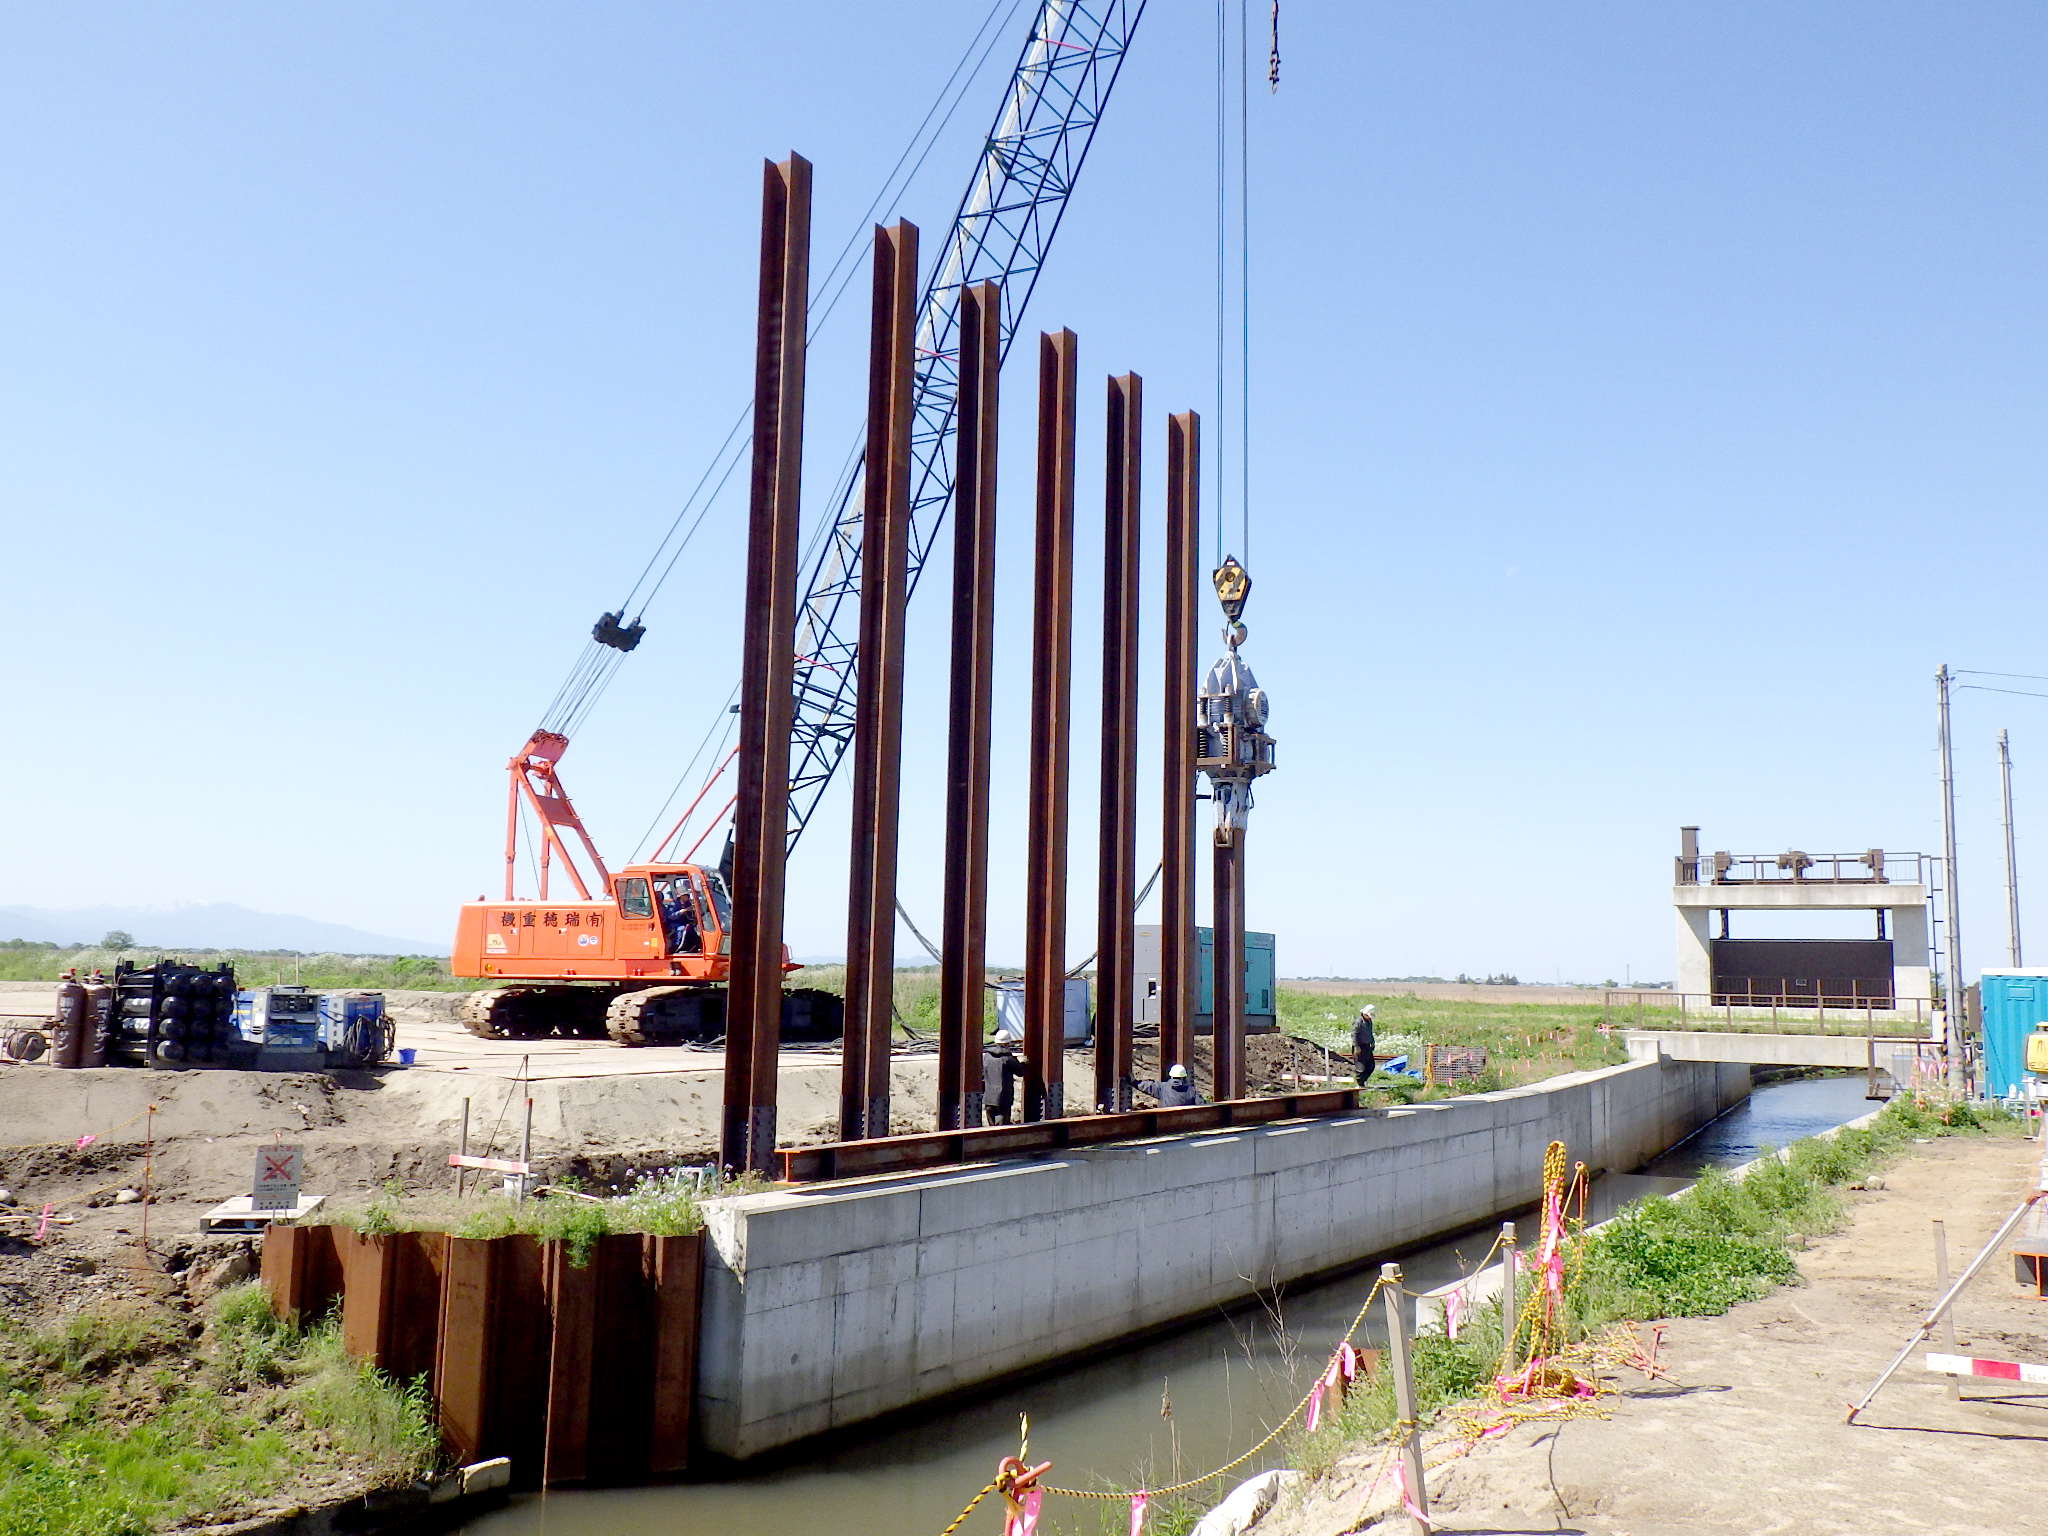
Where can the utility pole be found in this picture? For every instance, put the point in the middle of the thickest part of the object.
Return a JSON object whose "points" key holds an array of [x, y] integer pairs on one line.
{"points": [[1952, 971], [2012, 862]]}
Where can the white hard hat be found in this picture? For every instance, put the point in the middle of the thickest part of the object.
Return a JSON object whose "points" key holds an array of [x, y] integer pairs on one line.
{"points": [[1366, 1011], [1176, 1071]]}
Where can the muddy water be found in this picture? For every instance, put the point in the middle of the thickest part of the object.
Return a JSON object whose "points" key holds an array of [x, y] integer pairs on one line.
{"points": [[1188, 1401]]}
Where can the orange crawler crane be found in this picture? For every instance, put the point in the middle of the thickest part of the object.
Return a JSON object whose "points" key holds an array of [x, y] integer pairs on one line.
{"points": [[644, 961]]}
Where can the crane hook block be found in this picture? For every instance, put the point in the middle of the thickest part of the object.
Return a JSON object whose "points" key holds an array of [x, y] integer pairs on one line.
{"points": [[610, 630], [1233, 585]]}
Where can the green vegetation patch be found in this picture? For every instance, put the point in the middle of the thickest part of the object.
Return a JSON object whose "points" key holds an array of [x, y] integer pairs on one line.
{"points": [[1524, 1042], [666, 1203], [119, 1422]]}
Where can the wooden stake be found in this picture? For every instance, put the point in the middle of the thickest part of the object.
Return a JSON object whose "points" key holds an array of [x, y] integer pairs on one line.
{"points": [[1404, 1394]]}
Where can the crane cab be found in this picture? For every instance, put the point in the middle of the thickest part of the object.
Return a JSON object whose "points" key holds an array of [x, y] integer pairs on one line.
{"points": [[661, 921]]}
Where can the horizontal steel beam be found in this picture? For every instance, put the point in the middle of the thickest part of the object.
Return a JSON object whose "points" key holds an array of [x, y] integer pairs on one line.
{"points": [[938, 1149]]}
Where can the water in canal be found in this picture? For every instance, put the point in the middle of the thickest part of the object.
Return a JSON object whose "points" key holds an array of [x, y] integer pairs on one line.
{"points": [[1189, 1401]]}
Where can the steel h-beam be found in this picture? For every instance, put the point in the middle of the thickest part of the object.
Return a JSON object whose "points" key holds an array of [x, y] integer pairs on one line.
{"points": [[962, 979], [1117, 882], [753, 1036], [1227, 1023], [1045, 896], [1177, 973], [878, 707]]}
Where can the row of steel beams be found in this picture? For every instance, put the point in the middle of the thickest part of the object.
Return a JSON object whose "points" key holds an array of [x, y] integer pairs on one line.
{"points": [[1116, 1002], [878, 709], [754, 1006], [1177, 974], [1045, 895], [964, 934]]}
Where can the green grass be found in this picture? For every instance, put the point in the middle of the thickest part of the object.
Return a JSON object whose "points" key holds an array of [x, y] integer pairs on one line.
{"points": [[117, 1422], [1524, 1042], [1726, 1240], [665, 1204]]}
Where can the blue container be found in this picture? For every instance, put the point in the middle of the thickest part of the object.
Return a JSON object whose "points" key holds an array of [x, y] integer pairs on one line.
{"points": [[2011, 1002]]}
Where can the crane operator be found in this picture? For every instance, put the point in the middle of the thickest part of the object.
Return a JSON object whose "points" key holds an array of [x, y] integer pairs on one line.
{"points": [[678, 913]]}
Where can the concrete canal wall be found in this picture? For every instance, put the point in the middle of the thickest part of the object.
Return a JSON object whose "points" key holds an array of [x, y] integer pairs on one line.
{"points": [[830, 1305]]}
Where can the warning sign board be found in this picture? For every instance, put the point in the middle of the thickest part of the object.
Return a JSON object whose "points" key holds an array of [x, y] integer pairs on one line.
{"points": [[277, 1179]]}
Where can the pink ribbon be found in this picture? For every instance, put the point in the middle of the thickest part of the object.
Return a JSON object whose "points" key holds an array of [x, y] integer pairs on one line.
{"points": [[1137, 1512], [86, 1141], [1454, 1312], [1347, 1360], [1399, 1470], [1024, 1520], [44, 1226], [1401, 1486], [1315, 1405]]}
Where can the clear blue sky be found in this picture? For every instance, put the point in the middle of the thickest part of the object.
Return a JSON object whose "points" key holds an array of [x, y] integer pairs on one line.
{"points": [[1645, 399]]}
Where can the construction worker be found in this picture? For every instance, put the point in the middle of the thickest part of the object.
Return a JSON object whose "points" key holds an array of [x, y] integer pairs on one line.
{"points": [[1177, 1092], [1362, 1044], [1000, 1070]]}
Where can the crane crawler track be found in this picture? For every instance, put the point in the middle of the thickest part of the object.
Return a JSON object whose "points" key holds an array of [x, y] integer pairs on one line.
{"points": [[536, 1013]]}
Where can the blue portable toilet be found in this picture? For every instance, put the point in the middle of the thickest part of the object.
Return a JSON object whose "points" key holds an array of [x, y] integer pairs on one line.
{"points": [[2011, 1001]]}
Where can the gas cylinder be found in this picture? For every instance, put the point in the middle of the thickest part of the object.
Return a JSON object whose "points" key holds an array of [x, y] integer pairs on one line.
{"points": [[99, 1024], [67, 1034]]}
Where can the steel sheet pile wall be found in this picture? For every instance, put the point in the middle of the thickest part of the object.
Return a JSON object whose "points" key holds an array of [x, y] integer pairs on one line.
{"points": [[829, 1305], [578, 1374]]}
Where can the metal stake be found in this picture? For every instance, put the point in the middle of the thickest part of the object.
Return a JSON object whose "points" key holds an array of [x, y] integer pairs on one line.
{"points": [[962, 978], [1117, 835], [1948, 1319], [1045, 897], [460, 1171], [753, 1036], [878, 704], [1177, 973], [526, 1143], [1404, 1393], [1507, 1298]]}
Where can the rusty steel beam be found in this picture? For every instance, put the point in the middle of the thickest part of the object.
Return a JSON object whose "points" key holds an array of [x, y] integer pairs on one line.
{"points": [[878, 703], [1045, 895], [1177, 970], [896, 1154], [753, 1019], [962, 979], [1117, 835], [1227, 1022]]}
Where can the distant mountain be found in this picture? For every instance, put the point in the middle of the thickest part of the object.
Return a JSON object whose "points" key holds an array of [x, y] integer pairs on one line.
{"points": [[217, 925]]}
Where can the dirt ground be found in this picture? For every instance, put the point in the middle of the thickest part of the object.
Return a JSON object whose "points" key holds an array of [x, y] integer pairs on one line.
{"points": [[600, 1112], [1749, 1435]]}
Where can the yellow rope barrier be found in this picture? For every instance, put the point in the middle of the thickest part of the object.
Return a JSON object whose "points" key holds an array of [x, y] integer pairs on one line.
{"points": [[1545, 1391]]}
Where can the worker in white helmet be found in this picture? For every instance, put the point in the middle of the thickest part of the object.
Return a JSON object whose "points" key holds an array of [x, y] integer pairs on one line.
{"points": [[1363, 1044], [1176, 1092]]}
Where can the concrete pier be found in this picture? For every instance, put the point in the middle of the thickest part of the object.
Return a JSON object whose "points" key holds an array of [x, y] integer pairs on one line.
{"points": [[827, 1306]]}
